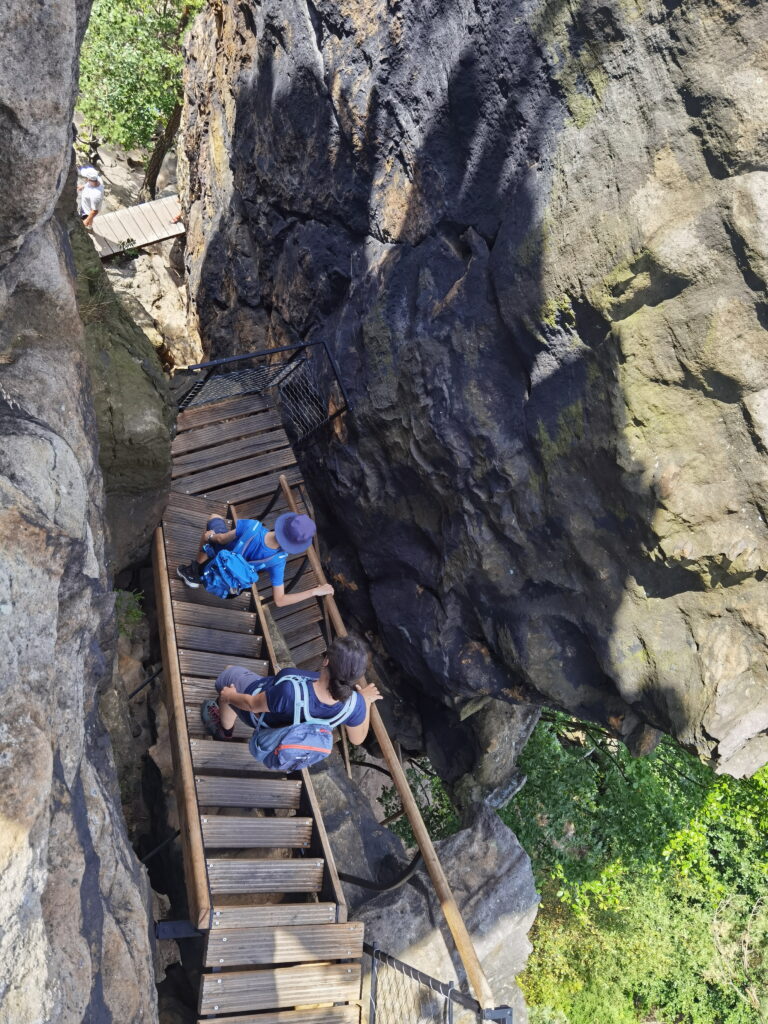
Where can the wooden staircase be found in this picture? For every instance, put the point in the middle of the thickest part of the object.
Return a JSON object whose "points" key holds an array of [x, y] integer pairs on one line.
{"points": [[260, 875]]}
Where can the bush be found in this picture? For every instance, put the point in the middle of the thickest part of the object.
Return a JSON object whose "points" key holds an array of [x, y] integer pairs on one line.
{"points": [[653, 875], [128, 611]]}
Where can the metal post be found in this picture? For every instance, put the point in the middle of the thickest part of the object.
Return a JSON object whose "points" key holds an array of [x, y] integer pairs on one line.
{"points": [[374, 985]]}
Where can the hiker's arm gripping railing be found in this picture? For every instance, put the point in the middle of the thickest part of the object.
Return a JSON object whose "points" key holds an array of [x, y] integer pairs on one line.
{"points": [[451, 912]]}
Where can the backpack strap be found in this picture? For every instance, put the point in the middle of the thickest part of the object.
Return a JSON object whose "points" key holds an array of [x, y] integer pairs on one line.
{"points": [[246, 537], [301, 706]]}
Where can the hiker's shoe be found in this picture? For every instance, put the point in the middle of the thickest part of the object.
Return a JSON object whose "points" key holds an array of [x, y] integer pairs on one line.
{"points": [[190, 574], [211, 716]]}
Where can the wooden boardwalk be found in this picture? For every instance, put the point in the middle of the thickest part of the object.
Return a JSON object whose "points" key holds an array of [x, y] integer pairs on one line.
{"points": [[260, 875], [136, 226]]}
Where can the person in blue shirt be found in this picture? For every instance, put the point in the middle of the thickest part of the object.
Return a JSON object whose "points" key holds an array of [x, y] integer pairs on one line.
{"points": [[343, 666], [267, 549]]}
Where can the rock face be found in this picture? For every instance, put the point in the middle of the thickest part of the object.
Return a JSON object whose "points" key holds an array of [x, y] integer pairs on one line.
{"points": [[490, 876], [134, 412], [74, 937], [534, 235]]}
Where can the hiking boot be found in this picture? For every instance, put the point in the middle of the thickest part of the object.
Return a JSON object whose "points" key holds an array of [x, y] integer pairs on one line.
{"points": [[211, 716], [190, 574]]}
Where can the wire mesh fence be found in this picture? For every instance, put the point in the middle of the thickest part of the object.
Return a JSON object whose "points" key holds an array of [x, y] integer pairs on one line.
{"points": [[401, 994], [301, 378]]}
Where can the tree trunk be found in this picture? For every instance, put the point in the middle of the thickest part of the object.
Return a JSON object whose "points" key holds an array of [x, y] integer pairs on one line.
{"points": [[163, 144]]}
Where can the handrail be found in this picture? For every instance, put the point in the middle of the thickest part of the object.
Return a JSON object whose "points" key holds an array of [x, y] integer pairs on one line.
{"points": [[451, 912]]}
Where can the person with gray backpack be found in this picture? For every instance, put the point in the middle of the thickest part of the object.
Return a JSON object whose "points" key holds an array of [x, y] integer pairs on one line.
{"points": [[293, 714]]}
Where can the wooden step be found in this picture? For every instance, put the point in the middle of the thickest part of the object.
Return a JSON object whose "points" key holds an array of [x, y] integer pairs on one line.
{"points": [[225, 409], [266, 989], [203, 437], [242, 469], [199, 596], [218, 792], [228, 619], [185, 508], [196, 689], [202, 663], [296, 616], [239, 875], [320, 1015], [272, 915], [255, 509], [214, 756], [250, 490], [218, 641], [297, 944], [309, 652], [224, 832], [222, 453], [196, 728]]}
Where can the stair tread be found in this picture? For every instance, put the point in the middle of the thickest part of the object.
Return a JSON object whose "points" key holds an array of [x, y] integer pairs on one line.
{"points": [[196, 438], [262, 793], [215, 641], [280, 945], [233, 472], [225, 409], [319, 1015], [238, 875], [277, 988], [272, 914], [221, 831], [230, 620]]}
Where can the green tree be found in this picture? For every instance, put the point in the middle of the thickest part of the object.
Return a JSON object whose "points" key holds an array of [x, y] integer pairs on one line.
{"points": [[654, 877], [130, 74]]}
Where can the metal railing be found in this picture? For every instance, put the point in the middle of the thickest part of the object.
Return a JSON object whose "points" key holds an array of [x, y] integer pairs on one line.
{"points": [[303, 378], [401, 994]]}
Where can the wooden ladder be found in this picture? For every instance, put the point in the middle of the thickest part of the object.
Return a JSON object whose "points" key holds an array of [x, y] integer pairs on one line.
{"points": [[260, 875]]}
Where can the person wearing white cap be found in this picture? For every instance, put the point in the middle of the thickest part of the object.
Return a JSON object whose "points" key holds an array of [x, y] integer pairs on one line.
{"points": [[91, 196]]}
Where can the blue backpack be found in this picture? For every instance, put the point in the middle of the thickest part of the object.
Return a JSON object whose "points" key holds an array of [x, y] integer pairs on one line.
{"points": [[289, 748], [228, 573]]}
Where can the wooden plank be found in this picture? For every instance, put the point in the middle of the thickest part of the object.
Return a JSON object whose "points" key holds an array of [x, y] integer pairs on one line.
{"points": [[227, 619], [201, 663], [201, 508], [211, 756], [319, 1015], [257, 487], [226, 409], [218, 792], [301, 613], [223, 831], [233, 472], [192, 839], [298, 944], [201, 638], [254, 509], [331, 886], [310, 650], [198, 688], [271, 915], [265, 989], [200, 597], [240, 876], [203, 437], [229, 450]]}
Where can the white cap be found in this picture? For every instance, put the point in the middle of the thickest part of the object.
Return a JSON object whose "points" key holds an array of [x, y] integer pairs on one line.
{"points": [[89, 173]]}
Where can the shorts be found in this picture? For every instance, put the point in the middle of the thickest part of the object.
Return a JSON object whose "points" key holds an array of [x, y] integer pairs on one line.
{"points": [[243, 680]]}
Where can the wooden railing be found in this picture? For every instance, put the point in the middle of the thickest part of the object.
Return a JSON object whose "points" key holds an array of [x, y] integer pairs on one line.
{"points": [[461, 937]]}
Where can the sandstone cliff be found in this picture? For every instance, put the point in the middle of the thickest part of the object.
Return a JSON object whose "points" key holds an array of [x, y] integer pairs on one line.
{"points": [[534, 234], [74, 930]]}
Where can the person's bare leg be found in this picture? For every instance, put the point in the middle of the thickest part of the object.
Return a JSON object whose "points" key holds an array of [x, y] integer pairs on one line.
{"points": [[228, 716]]}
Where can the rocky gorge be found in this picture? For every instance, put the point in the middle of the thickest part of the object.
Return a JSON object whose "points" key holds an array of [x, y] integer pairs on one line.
{"points": [[533, 236]]}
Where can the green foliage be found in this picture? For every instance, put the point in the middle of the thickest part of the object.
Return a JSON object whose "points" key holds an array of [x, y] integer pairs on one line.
{"points": [[130, 67], [128, 611], [653, 875], [435, 805]]}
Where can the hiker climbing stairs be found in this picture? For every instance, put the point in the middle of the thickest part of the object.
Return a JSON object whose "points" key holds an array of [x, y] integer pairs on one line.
{"points": [[261, 881]]}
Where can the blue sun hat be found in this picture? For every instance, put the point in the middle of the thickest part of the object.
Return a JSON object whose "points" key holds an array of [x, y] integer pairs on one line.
{"points": [[294, 532]]}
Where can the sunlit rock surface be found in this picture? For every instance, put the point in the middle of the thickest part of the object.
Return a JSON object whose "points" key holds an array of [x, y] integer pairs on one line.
{"points": [[534, 236], [74, 929]]}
